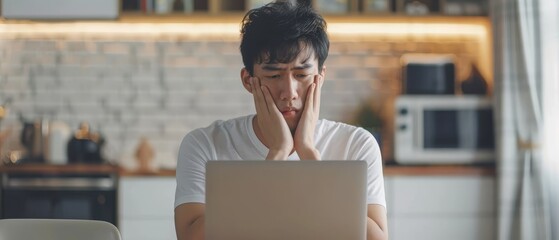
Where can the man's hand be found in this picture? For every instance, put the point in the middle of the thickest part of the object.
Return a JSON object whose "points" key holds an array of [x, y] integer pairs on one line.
{"points": [[304, 134], [274, 128]]}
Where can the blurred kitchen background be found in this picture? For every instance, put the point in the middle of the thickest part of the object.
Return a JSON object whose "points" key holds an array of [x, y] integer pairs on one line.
{"points": [[160, 76], [107, 90]]}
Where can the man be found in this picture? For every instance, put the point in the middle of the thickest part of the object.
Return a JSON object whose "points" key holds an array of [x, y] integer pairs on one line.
{"points": [[283, 48]]}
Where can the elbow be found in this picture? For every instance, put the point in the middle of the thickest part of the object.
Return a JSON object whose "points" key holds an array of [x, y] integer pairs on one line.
{"points": [[376, 232], [384, 235], [381, 235]]}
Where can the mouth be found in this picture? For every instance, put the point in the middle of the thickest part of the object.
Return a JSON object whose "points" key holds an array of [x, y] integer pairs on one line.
{"points": [[288, 112]]}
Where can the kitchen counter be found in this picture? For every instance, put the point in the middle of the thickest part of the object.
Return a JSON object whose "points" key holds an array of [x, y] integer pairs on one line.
{"points": [[389, 170], [156, 173], [442, 170], [82, 169], [56, 169]]}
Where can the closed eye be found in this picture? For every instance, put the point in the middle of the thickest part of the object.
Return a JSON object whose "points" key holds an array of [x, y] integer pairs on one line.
{"points": [[273, 76]]}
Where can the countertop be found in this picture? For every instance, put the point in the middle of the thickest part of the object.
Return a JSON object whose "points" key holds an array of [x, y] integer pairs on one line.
{"points": [[389, 170], [56, 169], [433, 170]]}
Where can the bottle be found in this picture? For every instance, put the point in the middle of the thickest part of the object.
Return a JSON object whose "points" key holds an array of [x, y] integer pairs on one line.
{"points": [[58, 137]]}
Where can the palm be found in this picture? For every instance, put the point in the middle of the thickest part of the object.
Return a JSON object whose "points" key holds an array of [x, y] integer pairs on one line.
{"points": [[304, 134]]}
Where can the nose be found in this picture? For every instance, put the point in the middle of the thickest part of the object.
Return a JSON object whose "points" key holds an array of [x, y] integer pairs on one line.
{"points": [[288, 89]]}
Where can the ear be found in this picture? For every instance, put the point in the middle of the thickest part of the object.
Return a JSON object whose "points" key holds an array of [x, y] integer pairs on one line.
{"points": [[322, 73], [245, 79]]}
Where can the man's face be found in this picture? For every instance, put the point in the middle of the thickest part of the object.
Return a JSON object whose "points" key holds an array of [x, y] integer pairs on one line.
{"points": [[289, 83]]}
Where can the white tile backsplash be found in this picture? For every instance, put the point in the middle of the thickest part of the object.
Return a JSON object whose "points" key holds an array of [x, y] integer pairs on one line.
{"points": [[164, 86]]}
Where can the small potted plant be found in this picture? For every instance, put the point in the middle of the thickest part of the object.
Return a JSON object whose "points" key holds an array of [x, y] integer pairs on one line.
{"points": [[370, 120]]}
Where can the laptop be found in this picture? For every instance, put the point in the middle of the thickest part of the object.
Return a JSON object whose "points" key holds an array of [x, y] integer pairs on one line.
{"points": [[286, 200]]}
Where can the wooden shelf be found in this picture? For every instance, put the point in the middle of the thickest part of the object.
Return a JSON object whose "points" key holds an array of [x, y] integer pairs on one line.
{"points": [[325, 7], [350, 18]]}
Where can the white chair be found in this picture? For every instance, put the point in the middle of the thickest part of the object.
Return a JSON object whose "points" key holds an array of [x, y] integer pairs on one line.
{"points": [[57, 229]]}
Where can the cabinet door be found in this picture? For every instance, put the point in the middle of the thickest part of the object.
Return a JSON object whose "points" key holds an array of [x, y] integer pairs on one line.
{"points": [[146, 208], [148, 229], [389, 196], [443, 207], [443, 228], [60, 9]]}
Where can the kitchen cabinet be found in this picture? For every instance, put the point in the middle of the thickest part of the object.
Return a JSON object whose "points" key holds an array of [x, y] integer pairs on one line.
{"points": [[60, 9], [441, 207], [440, 7], [428, 205], [74, 191], [146, 208]]}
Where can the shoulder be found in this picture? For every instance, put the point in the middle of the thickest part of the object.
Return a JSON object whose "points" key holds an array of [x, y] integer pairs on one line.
{"points": [[203, 143], [217, 129], [328, 127], [219, 126], [357, 142]]}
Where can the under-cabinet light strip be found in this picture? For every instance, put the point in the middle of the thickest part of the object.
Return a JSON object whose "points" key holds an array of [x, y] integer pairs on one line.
{"points": [[232, 29]]}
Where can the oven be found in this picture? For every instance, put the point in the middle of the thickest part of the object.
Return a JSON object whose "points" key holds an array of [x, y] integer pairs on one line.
{"points": [[60, 196]]}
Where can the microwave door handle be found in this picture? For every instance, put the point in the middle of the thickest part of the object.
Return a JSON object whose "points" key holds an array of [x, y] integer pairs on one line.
{"points": [[418, 130]]}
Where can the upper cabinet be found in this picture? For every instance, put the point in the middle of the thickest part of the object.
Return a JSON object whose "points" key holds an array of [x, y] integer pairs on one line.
{"points": [[439, 7], [60, 9], [326, 7]]}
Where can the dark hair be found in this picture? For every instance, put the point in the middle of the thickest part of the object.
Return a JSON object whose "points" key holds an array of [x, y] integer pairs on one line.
{"points": [[279, 31]]}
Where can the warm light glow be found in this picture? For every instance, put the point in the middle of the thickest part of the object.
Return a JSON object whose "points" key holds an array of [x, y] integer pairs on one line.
{"points": [[119, 29], [344, 29], [200, 30], [395, 29]]}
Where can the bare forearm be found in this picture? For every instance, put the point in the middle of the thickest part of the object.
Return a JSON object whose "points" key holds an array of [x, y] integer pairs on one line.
{"points": [[277, 155], [309, 154], [374, 232], [195, 231]]}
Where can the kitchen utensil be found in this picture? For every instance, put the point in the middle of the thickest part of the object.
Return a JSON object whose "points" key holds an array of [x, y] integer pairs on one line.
{"points": [[85, 146]]}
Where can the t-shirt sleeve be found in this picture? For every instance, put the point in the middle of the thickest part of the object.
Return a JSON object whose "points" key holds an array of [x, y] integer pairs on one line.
{"points": [[365, 147], [194, 151]]}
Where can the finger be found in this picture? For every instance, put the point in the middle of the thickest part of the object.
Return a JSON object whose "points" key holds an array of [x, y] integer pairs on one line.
{"points": [[269, 100], [264, 101], [318, 90], [309, 103], [260, 96], [257, 103]]}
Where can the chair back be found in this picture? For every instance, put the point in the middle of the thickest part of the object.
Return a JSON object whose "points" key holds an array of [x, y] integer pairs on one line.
{"points": [[57, 229]]}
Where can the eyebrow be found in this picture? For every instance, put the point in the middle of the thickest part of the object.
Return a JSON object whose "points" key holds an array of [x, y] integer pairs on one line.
{"points": [[273, 67]]}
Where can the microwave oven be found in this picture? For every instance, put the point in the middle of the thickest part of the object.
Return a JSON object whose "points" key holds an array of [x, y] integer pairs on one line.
{"points": [[441, 129]]}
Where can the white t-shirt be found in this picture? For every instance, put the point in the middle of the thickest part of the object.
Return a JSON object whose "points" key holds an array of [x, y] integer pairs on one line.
{"points": [[235, 139]]}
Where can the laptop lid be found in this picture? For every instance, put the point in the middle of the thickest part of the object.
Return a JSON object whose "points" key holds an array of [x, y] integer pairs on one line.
{"points": [[286, 200]]}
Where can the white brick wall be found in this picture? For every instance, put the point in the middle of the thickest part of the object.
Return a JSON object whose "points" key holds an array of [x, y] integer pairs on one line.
{"points": [[164, 88]]}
